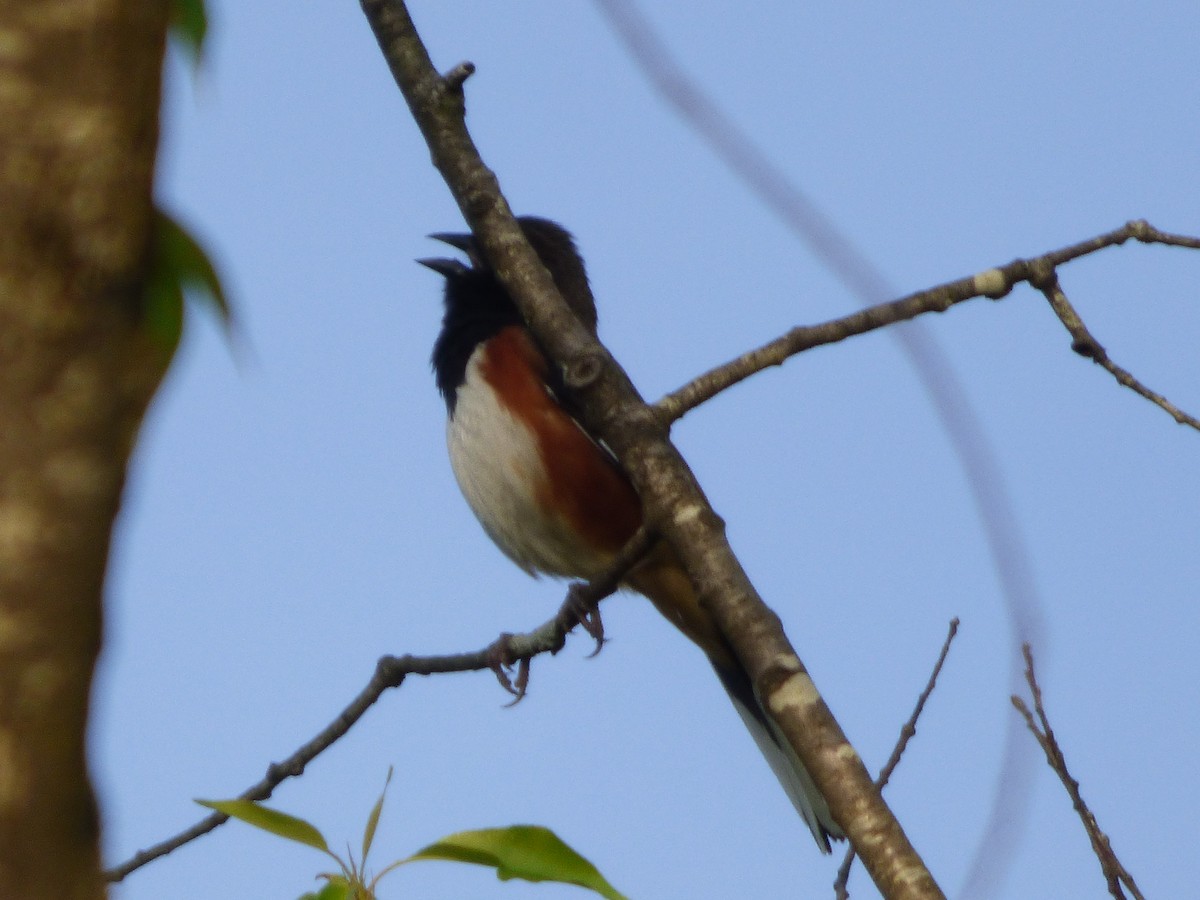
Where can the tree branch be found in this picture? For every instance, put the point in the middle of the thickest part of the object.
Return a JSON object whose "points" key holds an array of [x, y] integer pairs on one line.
{"points": [[792, 206], [673, 502], [993, 283], [1083, 343], [799, 214], [906, 734], [1115, 874], [390, 672]]}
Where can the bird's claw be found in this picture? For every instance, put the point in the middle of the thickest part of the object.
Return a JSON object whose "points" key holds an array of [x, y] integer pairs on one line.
{"points": [[579, 609], [501, 659]]}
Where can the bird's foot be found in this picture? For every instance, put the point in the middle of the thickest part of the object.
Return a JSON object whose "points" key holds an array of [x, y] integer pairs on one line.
{"points": [[580, 609], [501, 659]]}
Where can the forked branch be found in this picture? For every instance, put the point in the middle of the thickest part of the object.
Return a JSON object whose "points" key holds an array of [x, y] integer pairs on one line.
{"points": [[992, 283], [1115, 874], [673, 502]]}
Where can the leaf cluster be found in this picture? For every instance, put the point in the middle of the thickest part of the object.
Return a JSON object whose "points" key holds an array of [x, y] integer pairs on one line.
{"points": [[527, 852]]}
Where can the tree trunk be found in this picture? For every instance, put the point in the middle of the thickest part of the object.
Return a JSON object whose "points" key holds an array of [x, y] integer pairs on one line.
{"points": [[79, 98]]}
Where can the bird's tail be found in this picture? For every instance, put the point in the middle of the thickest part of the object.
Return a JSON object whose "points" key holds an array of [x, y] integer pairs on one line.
{"points": [[663, 580], [784, 762]]}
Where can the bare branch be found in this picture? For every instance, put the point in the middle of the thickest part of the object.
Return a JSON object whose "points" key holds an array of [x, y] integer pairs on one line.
{"points": [[906, 734], [992, 283], [673, 501], [390, 672], [1083, 343], [782, 195], [910, 727], [1114, 873]]}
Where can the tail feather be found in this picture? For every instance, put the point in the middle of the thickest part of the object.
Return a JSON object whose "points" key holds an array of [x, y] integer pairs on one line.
{"points": [[663, 580], [784, 762]]}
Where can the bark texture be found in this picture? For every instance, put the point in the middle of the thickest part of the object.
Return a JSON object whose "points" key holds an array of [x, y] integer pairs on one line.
{"points": [[79, 100]]}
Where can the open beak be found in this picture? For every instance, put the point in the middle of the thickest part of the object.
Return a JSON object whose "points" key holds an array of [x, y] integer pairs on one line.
{"points": [[451, 267], [463, 242], [447, 268]]}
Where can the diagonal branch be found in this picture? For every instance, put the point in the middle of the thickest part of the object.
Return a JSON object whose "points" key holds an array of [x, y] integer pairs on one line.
{"points": [[1083, 343], [907, 733], [673, 501], [991, 283], [391, 671], [790, 203], [1114, 873]]}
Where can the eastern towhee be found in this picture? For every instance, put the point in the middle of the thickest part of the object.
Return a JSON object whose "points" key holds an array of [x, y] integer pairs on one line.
{"points": [[553, 498]]}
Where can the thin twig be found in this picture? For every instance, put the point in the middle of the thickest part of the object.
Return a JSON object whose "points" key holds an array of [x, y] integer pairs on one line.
{"points": [[992, 283], [390, 672], [1115, 874], [1085, 344], [910, 727], [906, 734]]}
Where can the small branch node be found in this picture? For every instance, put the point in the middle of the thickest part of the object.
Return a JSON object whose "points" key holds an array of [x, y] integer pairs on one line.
{"points": [[1042, 275], [584, 371], [278, 771], [390, 670], [1141, 230], [993, 284], [1088, 346], [454, 80]]}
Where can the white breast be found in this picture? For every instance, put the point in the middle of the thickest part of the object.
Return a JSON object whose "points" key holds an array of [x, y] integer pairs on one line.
{"points": [[499, 470]]}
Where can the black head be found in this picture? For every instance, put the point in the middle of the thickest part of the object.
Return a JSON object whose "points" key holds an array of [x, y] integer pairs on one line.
{"points": [[554, 246], [477, 306]]}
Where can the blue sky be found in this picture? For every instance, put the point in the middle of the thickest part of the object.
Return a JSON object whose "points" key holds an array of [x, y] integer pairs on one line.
{"points": [[291, 514]]}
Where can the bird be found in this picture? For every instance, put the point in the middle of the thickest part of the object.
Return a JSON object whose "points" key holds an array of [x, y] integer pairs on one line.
{"points": [[551, 496]]}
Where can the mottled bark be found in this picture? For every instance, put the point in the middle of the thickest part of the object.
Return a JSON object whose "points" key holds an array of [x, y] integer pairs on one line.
{"points": [[79, 98]]}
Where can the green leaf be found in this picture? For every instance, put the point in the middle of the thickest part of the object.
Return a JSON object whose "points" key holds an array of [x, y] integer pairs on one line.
{"points": [[272, 820], [373, 819], [191, 266], [189, 26], [528, 852], [179, 267], [338, 888], [162, 312]]}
